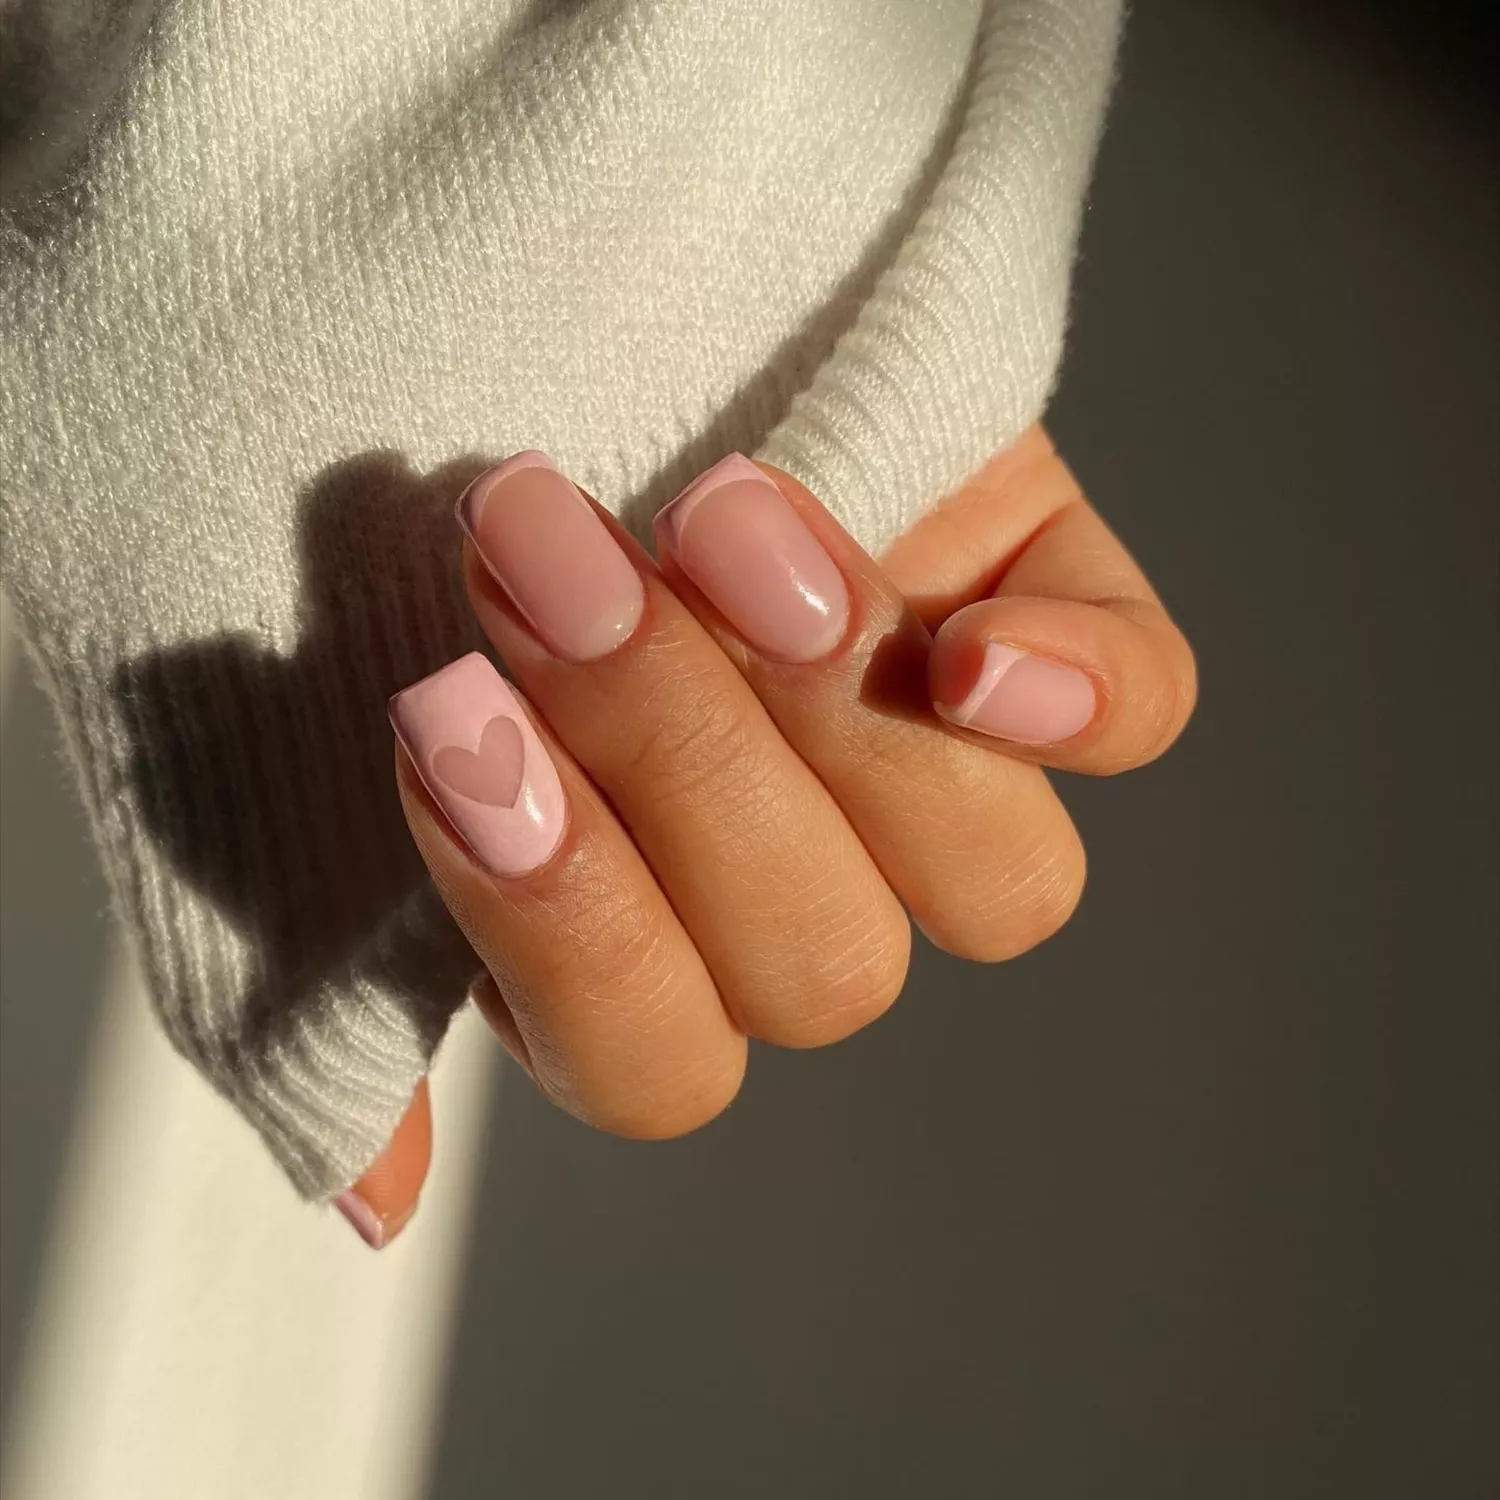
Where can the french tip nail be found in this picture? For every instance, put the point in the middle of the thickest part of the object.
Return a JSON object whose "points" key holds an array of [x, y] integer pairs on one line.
{"points": [[525, 458], [732, 466], [740, 540], [1030, 700], [367, 1224], [375, 1231]]}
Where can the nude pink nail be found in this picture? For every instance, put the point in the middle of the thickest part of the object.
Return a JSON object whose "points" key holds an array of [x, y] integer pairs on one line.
{"points": [[375, 1231], [547, 548], [1019, 697], [366, 1222], [737, 537], [478, 755]]}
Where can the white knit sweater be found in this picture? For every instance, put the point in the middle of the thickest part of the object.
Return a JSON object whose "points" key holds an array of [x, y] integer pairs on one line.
{"points": [[321, 259]]}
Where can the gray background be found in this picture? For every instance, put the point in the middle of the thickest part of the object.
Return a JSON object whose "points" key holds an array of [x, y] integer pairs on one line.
{"points": [[1200, 1199]]}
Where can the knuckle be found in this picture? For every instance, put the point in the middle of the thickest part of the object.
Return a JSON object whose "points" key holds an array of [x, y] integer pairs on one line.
{"points": [[675, 1105], [854, 975], [1029, 901], [611, 1023], [693, 738], [606, 930]]}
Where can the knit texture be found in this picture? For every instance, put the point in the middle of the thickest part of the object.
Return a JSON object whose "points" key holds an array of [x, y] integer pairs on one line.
{"points": [[321, 260]]}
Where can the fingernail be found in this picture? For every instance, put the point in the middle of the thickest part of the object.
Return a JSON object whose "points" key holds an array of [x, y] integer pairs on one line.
{"points": [[545, 545], [478, 755], [375, 1231], [735, 535], [1015, 696]]}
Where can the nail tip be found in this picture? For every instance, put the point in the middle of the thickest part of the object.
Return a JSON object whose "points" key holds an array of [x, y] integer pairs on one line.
{"points": [[461, 510], [733, 462], [487, 479], [525, 458], [670, 519], [667, 522], [365, 1222], [732, 466], [469, 661], [376, 1232]]}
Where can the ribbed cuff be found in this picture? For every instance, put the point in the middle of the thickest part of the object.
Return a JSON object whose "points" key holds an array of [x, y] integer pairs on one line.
{"points": [[244, 805]]}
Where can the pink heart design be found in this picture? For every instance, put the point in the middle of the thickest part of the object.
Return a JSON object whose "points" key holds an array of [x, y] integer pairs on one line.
{"points": [[492, 775]]}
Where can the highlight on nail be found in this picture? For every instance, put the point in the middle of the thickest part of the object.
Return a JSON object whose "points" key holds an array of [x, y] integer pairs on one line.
{"points": [[744, 545]]}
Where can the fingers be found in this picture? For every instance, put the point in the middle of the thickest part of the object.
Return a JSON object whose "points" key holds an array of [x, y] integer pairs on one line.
{"points": [[767, 755], [977, 846], [804, 939], [380, 1204], [613, 1010]]}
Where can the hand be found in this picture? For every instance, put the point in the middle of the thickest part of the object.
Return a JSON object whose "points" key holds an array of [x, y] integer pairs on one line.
{"points": [[736, 774]]}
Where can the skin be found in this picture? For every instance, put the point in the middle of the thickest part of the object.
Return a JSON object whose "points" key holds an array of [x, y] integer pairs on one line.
{"points": [[626, 974]]}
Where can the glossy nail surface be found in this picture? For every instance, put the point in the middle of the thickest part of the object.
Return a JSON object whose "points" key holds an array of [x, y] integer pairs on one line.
{"points": [[1012, 695], [478, 755], [375, 1231], [547, 548], [737, 537]]}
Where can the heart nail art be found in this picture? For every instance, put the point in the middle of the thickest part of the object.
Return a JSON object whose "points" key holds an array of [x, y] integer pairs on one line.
{"points": [[493, 774], [475, 750]]}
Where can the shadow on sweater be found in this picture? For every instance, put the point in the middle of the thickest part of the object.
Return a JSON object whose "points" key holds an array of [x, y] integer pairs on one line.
{"points": [[267, 781]]}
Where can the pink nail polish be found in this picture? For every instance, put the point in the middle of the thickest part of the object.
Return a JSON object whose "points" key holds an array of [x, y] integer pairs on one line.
{"points": [[1018, 697], [367, 1223], [547, 548], [375, 1231], [478, 755], [734, 534]]}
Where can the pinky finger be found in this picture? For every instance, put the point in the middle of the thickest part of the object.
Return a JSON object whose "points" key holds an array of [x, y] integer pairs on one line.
{"points": [[381, 1203]]}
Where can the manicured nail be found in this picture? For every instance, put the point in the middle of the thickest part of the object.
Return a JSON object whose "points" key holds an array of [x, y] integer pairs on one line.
{"points": [[478, 755], [546, 547], [375, 1231], [1014, 696], [735, 535]]}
